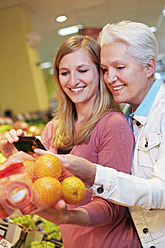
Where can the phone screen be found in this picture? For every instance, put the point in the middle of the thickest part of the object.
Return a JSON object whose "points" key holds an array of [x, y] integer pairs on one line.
{"points": [[28, 144]]}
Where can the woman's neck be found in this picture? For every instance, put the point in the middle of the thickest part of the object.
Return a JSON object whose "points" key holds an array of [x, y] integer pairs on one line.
{"points": [[84, 111], [83, 114]]}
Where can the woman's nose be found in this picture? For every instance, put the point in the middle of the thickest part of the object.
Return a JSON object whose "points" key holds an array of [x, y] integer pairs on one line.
{"points": [[111, 77], [73, 80]]}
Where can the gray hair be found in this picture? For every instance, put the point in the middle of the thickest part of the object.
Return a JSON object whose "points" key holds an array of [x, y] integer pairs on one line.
{"points": [[141, 42]]}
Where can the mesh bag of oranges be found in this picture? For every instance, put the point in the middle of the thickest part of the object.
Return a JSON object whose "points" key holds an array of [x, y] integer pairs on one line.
{"points": [[28, 185]]}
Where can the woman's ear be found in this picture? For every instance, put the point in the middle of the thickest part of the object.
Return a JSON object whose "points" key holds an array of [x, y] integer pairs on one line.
{"points": [[150, 67]]}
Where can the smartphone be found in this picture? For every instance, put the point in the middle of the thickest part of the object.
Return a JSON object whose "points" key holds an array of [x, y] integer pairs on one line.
{"points": [[28, 144]]}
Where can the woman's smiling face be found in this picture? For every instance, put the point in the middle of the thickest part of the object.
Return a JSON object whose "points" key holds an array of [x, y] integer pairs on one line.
{"points": [[78, 76], [123, 74]]}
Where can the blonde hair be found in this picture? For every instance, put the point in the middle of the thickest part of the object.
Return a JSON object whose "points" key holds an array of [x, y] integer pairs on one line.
{"points": [[141, 42], [66, 113]]}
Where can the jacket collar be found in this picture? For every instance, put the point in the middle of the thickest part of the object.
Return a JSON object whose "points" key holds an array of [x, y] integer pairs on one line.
{"points": [[142, 112]]}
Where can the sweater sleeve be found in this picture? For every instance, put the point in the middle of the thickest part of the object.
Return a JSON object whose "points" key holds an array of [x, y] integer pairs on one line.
{"points": [[103, 212], [116, 143]]}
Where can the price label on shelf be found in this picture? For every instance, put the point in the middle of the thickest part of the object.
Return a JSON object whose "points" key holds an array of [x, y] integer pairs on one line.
{"points": [[4, 243]]}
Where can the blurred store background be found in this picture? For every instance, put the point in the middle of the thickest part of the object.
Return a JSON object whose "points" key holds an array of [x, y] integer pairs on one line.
{"points": [[31, 33]]}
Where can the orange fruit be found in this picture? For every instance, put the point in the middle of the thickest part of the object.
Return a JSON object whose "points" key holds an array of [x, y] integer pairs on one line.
{"points": [[48, 165], [73, 190], [49, 190], [29, 166]]}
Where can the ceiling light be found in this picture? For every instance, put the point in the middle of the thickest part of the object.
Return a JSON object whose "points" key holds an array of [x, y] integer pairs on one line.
{"points": [[159, 22], [163, 12], [45, 65], [69, 30], [153, 29], [61, 18]]}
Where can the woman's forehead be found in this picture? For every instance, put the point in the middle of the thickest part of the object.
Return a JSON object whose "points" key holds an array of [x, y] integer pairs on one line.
{"points": [[113, 50]]}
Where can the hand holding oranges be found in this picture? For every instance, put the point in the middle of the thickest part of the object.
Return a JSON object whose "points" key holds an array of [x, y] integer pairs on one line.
{"points": [[37, 184], [51, 183]]}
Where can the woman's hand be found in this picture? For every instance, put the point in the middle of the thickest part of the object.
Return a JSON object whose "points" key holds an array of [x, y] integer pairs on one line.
{"points": [[79, 167], [6, 144], [56, 214], [59, 214]]}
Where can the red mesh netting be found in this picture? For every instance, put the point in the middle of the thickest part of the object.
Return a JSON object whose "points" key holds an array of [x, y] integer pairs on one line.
{"points": [[36, 183]]}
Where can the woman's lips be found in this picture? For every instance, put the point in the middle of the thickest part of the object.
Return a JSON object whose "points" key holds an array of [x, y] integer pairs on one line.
{"points": [[118, 87], [77, 89]]}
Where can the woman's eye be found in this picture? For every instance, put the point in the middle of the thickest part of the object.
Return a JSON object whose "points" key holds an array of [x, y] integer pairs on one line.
{"points": [[64, 73], [82, 71], [120, 67]]}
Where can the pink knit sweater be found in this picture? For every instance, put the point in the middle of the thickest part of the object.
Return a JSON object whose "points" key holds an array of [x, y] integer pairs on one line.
{"points": [[111, 144]]}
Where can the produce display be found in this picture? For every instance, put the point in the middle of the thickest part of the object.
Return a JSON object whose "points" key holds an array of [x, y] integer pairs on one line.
{"points": [[5, 128], [30, 221], [25, 220], [52, 235], [30, 128], [51, 230], [43, 244]]}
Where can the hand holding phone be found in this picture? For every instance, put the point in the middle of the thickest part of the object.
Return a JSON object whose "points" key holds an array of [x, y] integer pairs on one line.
{"points": [[28, 144]]}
